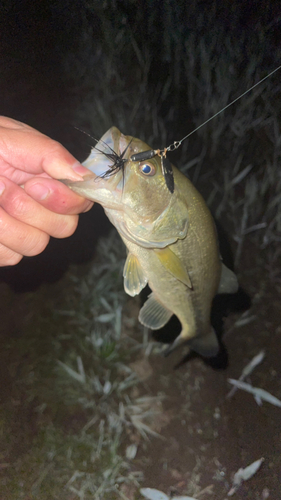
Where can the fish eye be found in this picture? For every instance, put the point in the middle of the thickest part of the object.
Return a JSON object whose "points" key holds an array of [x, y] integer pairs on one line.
{"points": [[147, 169]]}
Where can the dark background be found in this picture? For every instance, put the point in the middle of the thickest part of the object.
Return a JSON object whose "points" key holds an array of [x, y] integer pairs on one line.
{"points": [[56, 55]]}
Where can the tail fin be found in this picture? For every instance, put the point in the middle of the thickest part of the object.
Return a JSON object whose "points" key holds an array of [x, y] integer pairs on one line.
{"points": [[207, 345]]}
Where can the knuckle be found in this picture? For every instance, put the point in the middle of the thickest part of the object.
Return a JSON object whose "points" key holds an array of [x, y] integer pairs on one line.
{"points": [[15, 202], [54, 148], [36, 244], [17, 205]]}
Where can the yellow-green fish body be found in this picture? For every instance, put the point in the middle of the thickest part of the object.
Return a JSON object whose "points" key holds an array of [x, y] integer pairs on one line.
{"points": [[170, 237]]}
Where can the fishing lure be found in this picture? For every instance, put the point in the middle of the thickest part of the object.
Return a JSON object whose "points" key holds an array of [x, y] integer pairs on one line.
{"points": [[117, 159]]}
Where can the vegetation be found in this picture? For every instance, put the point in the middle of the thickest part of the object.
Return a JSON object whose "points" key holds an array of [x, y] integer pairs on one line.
{"points": [[156, 74]]}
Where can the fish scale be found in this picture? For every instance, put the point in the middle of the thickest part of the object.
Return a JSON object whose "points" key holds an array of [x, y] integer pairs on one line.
{"points": [[170, 236]]}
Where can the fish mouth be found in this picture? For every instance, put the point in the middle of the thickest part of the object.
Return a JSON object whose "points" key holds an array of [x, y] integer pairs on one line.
{"points": [[107, 158], [105, 181]]}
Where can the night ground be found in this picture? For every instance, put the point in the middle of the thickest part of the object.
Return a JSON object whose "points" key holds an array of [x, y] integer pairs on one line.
{"points": [[90, 408]]}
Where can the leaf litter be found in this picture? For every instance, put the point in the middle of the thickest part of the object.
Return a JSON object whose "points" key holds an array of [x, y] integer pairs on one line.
{"points": [[248, 370], [243, 475], [154, 494], [259, 394]]}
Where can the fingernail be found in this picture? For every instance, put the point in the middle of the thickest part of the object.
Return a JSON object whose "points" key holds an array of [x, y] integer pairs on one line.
{"points": [[38, 191], [2, 187], [62, 170], [79, 169]]}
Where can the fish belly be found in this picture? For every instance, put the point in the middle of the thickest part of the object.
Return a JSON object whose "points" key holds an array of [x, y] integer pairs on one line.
{"points": [[172, 293]]}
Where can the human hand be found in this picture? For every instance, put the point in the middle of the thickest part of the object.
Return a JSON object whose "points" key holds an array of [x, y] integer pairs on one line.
{"points": [[45, 207]]}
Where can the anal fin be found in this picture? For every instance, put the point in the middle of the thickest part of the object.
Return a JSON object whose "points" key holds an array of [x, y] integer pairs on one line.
{"points": [[207, 345], [134, 277], [228, 281], [153, 314]]}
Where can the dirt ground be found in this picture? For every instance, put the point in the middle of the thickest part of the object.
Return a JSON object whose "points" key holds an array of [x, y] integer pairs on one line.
{"points": [[208, 437], [204, 437]]}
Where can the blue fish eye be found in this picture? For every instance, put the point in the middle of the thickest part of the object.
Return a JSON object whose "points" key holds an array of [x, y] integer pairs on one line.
{"points": [[147, 169]]}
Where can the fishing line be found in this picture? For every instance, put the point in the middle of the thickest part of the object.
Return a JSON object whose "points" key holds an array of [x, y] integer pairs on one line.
{"points": [[119, 160], [165, 164], [177, 144]]}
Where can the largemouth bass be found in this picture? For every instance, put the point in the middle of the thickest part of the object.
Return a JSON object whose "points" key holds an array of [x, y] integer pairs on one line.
{"points": [[170, 237]]}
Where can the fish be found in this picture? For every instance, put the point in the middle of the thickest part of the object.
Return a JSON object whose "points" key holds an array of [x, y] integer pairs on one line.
{"points": [[170, 236]]}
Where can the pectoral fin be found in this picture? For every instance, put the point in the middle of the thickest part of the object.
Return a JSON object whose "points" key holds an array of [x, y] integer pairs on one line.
{"points": [[228, 281], [174, 265], [134, 277], [153, 314]]}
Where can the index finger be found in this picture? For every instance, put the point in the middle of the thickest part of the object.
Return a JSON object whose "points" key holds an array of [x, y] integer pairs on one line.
{"points": [[24, 149]]}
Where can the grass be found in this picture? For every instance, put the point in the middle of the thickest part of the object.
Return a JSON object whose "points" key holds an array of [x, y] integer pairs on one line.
{"points": [[76, 387], [195, 73], [74, 391]]}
